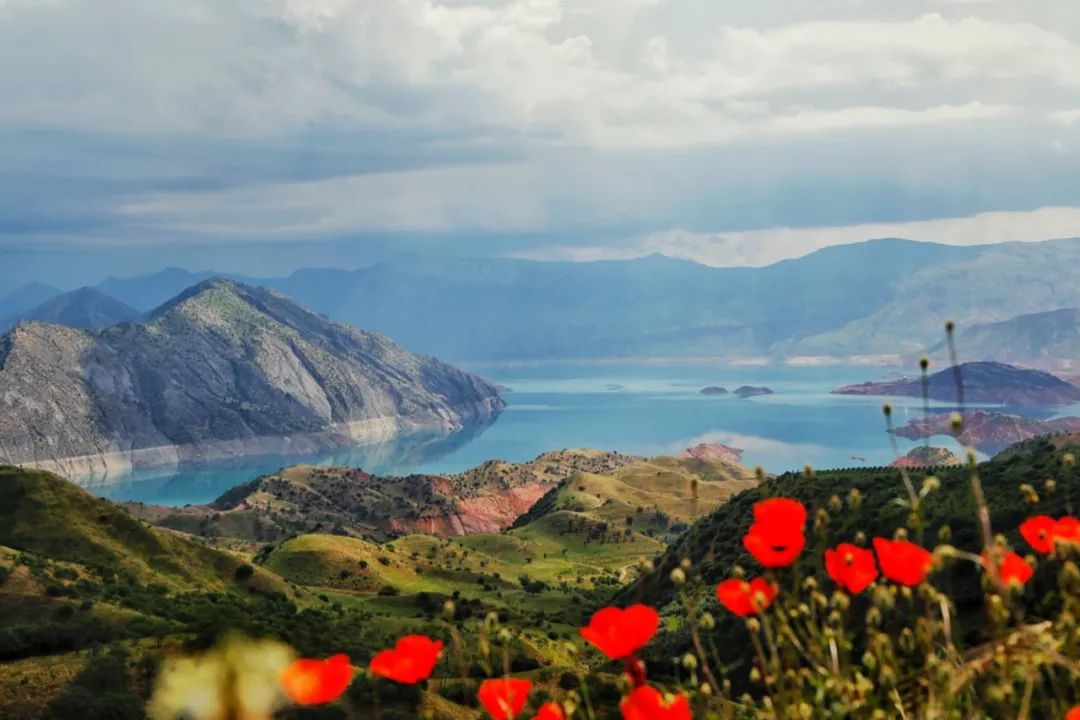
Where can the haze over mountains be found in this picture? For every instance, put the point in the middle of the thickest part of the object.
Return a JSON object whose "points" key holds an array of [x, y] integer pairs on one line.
{"points": [[883, 297]]}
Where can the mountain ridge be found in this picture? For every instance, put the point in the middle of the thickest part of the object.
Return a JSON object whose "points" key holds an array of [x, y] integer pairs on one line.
{"points": [[225, 370], [503, 309]]}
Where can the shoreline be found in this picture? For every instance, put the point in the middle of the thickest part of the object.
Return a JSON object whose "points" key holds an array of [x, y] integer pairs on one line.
{"points": [[96, 469], [885, 360]]}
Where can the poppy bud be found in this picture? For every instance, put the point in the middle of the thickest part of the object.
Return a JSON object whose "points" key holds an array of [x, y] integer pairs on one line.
{"points": [[707, 622], [449, 609], [678, 577], [685, 564], [929, 485], [1050, 486], [1068, 459], [706, 689], [1029, 493], [944, 533], [835, 504], [854, 498], [689, 662]]}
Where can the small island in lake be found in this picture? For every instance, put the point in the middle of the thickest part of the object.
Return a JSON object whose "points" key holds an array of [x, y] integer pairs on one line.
{"points": [[986, 431], [984, 382], [926, 456], [714, 390], [747, 391]]}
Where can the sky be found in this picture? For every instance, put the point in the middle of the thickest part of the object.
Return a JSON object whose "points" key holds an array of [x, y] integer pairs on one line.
{"points": [[270, 134]]}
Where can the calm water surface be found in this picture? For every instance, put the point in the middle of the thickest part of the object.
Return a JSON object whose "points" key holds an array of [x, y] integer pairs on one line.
{"points": [[632, 408]]}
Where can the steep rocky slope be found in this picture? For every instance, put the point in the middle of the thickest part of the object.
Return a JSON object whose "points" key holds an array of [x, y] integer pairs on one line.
{"points": [[984, 382], [221, 370]]}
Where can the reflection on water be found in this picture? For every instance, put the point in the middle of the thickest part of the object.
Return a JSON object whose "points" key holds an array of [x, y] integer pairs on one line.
{"points": [[632, 408], [203, 482]]}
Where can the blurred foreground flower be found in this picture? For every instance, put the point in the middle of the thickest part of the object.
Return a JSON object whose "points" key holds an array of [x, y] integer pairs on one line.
{"points": [[902, 561], [647, 703], [621, 633], [746, 598], [551, 711], [1013, 569], [851, 567], [413, 659], [239, 680], [1038, 531], [1042, 532], [504, 699], [316, 682], [776, 536]]}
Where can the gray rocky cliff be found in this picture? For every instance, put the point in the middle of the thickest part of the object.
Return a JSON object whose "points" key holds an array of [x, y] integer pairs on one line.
{"points": [[221, 370]]}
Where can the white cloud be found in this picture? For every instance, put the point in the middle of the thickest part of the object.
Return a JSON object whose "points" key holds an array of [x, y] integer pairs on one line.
{"points": [[238, 67], [589, 114]]}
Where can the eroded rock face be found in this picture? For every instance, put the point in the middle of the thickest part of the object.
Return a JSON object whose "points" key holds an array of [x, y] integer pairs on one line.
{"points": [[487, 498], [221, 370]]}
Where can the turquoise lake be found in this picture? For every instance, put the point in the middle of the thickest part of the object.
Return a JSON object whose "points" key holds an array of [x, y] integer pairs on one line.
{"points": [[644, 409]]}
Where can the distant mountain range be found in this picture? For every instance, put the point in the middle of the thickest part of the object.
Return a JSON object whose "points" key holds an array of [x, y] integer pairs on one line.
{"points": [[881, 297], [1036, 338], [222, 369]]}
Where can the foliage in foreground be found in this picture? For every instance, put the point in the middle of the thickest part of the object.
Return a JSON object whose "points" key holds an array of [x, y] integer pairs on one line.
{"points": [[833, 631]]}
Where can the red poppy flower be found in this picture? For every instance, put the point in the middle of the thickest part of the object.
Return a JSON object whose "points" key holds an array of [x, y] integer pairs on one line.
{"points": [[412, 659], [550, 711], [504, 699], [1012, 569], [646, 703], [776, 536], [621, 633], [1039, 533], [902, 561], [1067, 530], [851, 567], [1073, 714], [746, 598], [314, 682]]}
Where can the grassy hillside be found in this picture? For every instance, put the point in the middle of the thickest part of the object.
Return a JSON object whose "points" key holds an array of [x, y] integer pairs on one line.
{"points": [[48, 516], [714, 547], [349, 501], [100, 594]]}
